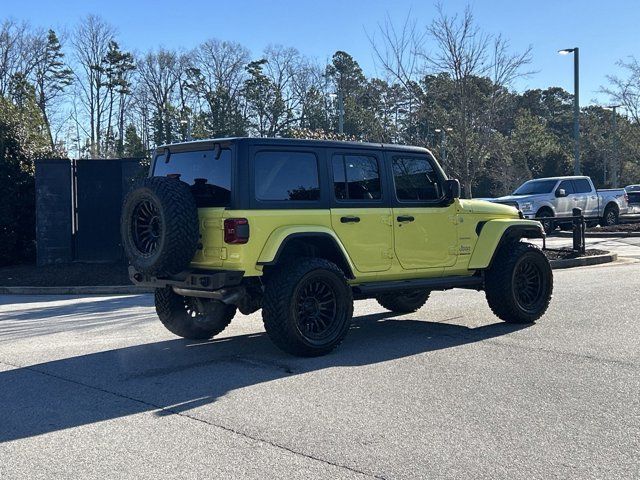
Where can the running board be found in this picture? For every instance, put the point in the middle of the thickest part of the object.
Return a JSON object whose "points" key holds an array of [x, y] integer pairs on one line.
{"points": [[473, 282]]}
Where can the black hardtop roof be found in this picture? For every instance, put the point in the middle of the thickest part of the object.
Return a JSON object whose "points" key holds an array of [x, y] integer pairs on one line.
{"points": [[203, 144]]}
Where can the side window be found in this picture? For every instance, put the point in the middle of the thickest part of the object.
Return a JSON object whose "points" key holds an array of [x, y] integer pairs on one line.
{"points": [[567, 185], [582, 186], [286, 176], [415, 179], [356, 177]]}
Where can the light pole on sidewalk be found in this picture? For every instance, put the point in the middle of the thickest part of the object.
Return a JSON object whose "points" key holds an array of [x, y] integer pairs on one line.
{"points": [[576, 106], [443, 143], [614, 148]]}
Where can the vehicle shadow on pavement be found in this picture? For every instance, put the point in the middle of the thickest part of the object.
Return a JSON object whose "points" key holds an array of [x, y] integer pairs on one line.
{"points": [[175, 376]]}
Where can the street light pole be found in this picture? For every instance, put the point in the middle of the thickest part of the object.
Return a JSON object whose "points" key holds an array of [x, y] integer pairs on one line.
{"points": [[340, 112], [443, 144], [576, 106], [614, 146]]}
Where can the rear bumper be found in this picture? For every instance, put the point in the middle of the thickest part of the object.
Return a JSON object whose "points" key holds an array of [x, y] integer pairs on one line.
{"points": [[196, 280]]}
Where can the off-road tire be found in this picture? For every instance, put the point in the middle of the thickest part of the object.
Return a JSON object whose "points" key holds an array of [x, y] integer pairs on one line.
{"points": [[502, 279], [403, 302], [182, 316], [610, 217], [285, 293], [176, 233]]}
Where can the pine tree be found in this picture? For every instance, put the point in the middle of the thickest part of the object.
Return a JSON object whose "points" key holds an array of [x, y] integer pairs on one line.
{"points": [[51, 77], [117, 66]]}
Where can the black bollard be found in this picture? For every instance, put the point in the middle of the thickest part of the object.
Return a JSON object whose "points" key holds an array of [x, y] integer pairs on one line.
{"points": [[578, 231]]}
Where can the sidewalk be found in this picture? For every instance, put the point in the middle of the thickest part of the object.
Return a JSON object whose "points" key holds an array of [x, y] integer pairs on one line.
{"points": [[624, 247]]}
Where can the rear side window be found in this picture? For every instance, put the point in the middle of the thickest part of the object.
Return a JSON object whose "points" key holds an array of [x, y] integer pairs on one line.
{"points": [[286, 175], [356, 177], [209, 177], [567, 186], [582, 186], [415, 179]]}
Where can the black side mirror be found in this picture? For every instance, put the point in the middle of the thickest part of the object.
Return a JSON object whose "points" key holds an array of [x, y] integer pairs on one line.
{"points": [[452, 189], [561, 192]]}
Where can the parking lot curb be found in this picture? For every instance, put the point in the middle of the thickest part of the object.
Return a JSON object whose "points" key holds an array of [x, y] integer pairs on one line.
{"points": [[584, 261], [598, 234], [77, 290]]}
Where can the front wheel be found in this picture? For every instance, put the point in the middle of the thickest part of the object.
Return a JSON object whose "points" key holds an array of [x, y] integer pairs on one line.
{"points": [[519, 284], [547, 221], [307, 307], [192, 317]]}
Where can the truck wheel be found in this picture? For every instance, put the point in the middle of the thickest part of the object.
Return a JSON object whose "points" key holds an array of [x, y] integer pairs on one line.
{"points": [[192, 317], [307, 307], [519, 284], [548, 225], [403, 302], [610, 216], [159, 226]]}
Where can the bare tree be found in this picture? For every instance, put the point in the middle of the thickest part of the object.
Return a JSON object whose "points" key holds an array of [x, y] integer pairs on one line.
{"points": [[471, 57], [398, 50], [160, 74], [625, 91], [90, 43], [17, 55], [217, 77]]}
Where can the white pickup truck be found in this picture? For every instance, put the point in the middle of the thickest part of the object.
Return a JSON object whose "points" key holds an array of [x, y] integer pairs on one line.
{"points": [[556, 197]]}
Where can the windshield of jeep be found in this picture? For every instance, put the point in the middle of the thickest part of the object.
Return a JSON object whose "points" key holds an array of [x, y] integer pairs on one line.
{"points": [[536, 187], [209, 178]]}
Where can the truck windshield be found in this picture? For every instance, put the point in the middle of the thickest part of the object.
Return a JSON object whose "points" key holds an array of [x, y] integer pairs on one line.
{"points": [[536, 187], [208, 176]]}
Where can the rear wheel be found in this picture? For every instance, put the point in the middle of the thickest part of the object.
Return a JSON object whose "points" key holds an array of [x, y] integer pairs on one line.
{"points": [[519, 284], [307, 307], [403, 302], [192, 317], [610, 217]]}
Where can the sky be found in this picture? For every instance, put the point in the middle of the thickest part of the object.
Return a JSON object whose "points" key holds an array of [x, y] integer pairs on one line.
{"points": [[605, 30]]}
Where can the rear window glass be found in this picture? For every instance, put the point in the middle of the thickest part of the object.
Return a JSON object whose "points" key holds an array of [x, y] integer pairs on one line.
{"points": [[356, 177], [210, 178], [286, 175], [582, 186]]}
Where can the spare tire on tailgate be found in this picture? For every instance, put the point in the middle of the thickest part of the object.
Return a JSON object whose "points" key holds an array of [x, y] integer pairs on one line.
{"points": [[159, 226]]}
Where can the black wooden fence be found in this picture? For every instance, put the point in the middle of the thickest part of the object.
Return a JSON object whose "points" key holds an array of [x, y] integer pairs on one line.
{"points": [[78, 205]]}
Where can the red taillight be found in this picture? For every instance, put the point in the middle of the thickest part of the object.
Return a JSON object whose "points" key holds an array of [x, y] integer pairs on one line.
{"points": [[236, 230]]}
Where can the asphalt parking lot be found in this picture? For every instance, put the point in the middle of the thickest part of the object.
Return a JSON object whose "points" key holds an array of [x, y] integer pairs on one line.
{"points": [[94, 387]]}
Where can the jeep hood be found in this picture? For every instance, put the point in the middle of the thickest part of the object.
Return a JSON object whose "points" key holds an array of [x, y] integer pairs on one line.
{"points": [[488, 208]]}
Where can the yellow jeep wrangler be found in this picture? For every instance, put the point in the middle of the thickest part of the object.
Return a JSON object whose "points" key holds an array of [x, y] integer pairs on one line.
{"points": [[302, 228]]}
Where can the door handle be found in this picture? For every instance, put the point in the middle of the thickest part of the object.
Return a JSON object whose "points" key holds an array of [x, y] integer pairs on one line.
{"points": [[349, 219], [405, 218]]}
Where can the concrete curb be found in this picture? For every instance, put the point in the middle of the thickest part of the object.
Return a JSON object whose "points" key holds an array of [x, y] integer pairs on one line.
{"points": [[598, 235], [78, 290], [584, 261]]}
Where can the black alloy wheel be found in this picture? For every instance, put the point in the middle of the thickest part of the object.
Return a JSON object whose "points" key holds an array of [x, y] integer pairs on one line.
{"points": [[146, 227], [316, 310], [528, 285]]}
